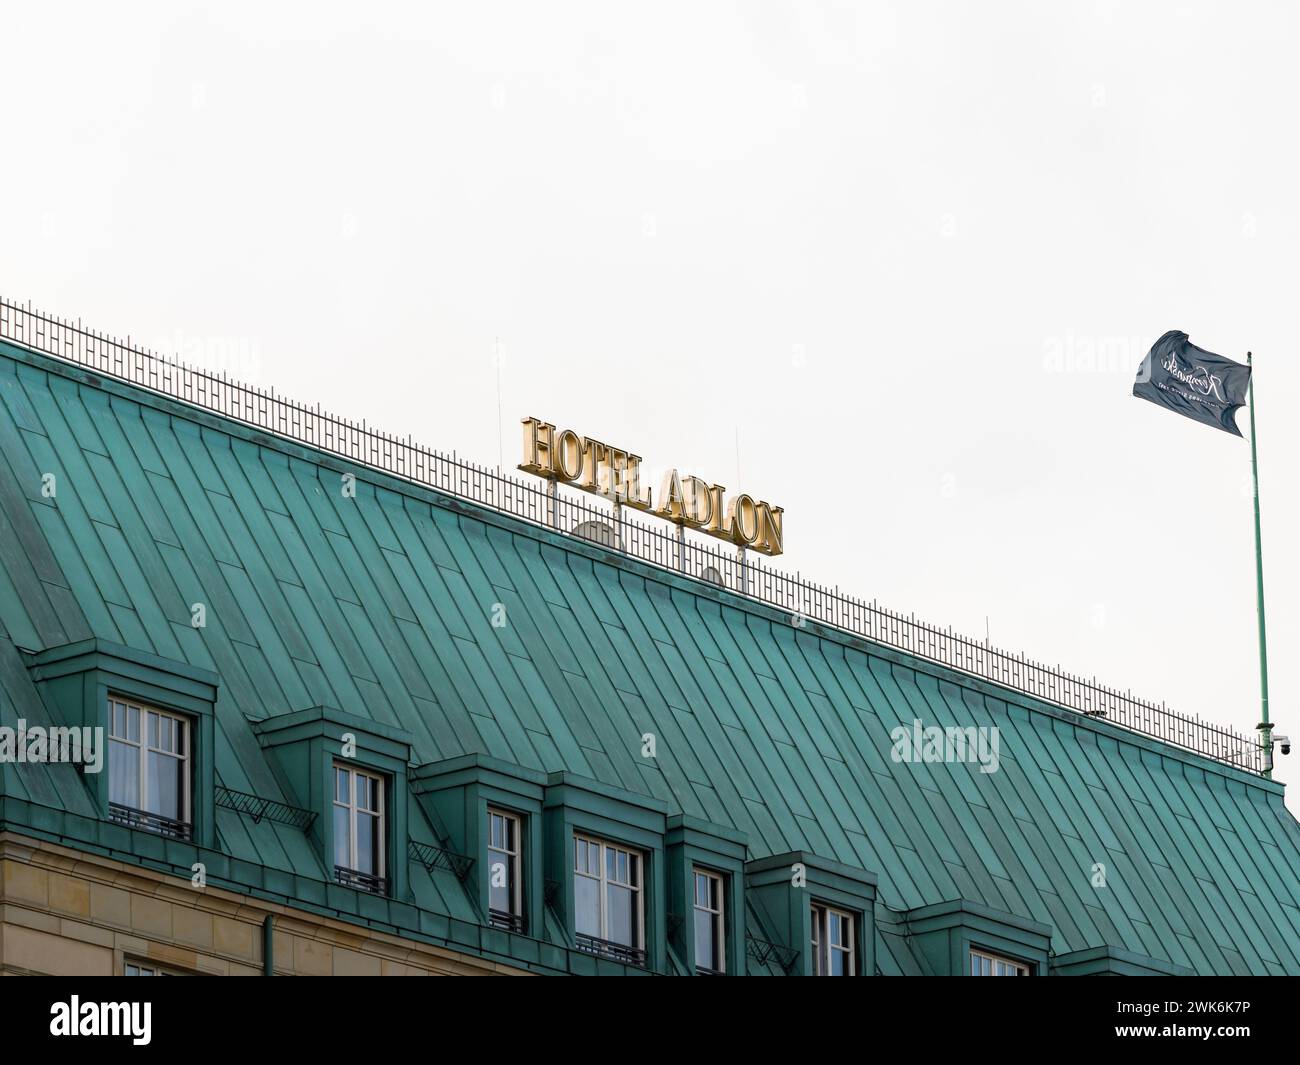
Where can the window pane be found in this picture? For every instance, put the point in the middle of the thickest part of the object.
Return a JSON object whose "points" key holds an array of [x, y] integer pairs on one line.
{"points": [[341, 785], [705, 947], [342, 841], [839, 963], [586, 904], [123, 774], [839, 930], [500, 877], [133, 724], [163, 793], [621, 919], [580, 855], [367, 844]]}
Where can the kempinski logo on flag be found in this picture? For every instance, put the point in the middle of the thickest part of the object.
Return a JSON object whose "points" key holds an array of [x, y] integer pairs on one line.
{"points": [[1199, 384]]}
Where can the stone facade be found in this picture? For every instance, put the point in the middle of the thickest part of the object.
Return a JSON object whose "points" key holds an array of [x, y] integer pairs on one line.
{"points": [[68, 913]]}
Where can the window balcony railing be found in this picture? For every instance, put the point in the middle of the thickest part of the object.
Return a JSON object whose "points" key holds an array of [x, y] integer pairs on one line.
{"points": [[739, 572], [143, 819], [354, 878], [604, 948], [507, 922]]}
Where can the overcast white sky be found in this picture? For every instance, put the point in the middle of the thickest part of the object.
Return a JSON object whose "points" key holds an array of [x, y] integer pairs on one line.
{"points": [[882, 245]]}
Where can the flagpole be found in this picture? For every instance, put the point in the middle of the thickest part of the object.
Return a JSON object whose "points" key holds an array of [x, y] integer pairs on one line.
{"points": [[1265, 729]]}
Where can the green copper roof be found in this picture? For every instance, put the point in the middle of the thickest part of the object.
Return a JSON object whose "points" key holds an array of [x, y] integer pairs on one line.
{"points": [[382, 606]]}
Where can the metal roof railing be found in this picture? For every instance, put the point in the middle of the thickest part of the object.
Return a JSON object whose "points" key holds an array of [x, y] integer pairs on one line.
{"points": [[618, 530]]}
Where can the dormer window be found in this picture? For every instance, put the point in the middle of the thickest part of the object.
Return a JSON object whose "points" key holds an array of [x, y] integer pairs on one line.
{"points": [[504, 868], [833, 941], [149, 768], [710, 922], [355, 784], [359, 829], [982, 963], [608, 903]]}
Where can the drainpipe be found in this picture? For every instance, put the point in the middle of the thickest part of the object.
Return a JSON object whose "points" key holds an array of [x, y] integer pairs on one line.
{"points": [[268, 945]]}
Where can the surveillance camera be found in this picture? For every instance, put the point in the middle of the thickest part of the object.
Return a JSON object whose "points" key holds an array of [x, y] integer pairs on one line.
{"points": [[1285, 741]]}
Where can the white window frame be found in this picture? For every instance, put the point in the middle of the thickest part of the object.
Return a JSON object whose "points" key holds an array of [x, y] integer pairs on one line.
{"points": [[517, 887], [977, 955], [352, 808], [637, 886], [183, 732], [718, 917], [143, 969], [821, 944]]}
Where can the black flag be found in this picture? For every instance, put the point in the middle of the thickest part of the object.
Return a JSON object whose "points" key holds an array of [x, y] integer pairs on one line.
{"points": [[1187, 379]]}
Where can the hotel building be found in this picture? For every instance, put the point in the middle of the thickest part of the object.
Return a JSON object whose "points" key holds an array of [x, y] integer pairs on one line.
{"points": [[366, 709]]}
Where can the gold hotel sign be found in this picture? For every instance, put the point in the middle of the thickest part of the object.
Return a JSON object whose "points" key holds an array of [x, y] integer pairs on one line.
{"points": [[580, 461]]}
